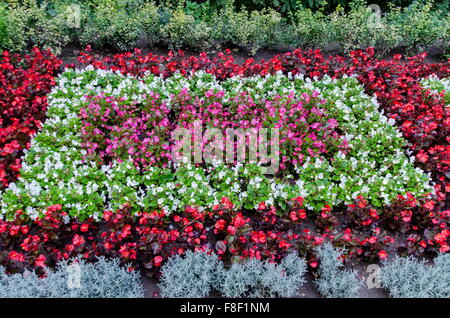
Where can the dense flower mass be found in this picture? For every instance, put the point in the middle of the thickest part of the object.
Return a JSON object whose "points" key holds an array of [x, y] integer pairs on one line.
{"points": [[334, 145], [143, 131], [421, 114], [396, 84], [116, 129], [364, 155]]}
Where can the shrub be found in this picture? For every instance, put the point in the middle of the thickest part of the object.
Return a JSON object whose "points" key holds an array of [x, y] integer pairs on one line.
{"points": [[334, 282], [255, 278], [47, 32], [183, 30], [30, 25], [311, 28], [122, 24], [148, 17], [15, 37], [193, 275], [27, 285], [107, 27], [126, 31], [248, 30], [410, 278], [419, 26], [196, 274], [274, 32], [94, 31], [360, 29], [4, 37], [102, 279]]}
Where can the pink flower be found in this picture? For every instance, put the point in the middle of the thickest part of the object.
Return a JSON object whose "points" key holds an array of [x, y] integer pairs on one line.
{"points": [[15, 256], [40, 261], [157, 261]]}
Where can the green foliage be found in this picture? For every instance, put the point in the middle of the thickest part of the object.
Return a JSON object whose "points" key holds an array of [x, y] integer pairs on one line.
{"points": [[184, 30], [102, 279], [256, 279], [108, 27], [284, 6], [14, 38], [201, 11], [361, 28], [334, 282], [290, 6], [149, 18], [250, 24], [420, 26], [30, 24], [4, 37], [193, 275], [411, 278], [48, 32], [250, 30], [311, 28]]}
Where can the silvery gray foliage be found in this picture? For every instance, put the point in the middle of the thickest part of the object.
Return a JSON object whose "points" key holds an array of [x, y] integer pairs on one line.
{"points": [[102, 279], [333, 281], [26, 285], [410, 278], [255, 278], [193, 275]]}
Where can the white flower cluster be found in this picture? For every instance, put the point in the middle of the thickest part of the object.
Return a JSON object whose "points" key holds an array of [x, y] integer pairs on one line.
{"points": [[437, 85]]}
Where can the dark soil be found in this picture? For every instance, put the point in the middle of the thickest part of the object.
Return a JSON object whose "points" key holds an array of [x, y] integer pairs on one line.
{"points": [[151, 289]]}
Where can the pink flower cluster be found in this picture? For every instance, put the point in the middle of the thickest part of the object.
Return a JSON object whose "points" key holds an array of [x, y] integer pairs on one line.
{"points": [[114, 129], [304, 126]]}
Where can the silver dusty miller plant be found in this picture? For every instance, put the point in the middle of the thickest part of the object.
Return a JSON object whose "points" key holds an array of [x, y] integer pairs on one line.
{"points": [[193, 275], [333, 281], [410, 278], [74, 278], [256, 279], [197, 274]]}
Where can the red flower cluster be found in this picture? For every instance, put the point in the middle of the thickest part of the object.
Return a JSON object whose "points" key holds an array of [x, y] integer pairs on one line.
{"points": [[147, 239], [24, 83], [422, 116]]}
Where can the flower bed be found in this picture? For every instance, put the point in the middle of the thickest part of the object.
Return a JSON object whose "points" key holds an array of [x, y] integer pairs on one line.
{"points": [[349, 133], [66, 162]]}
